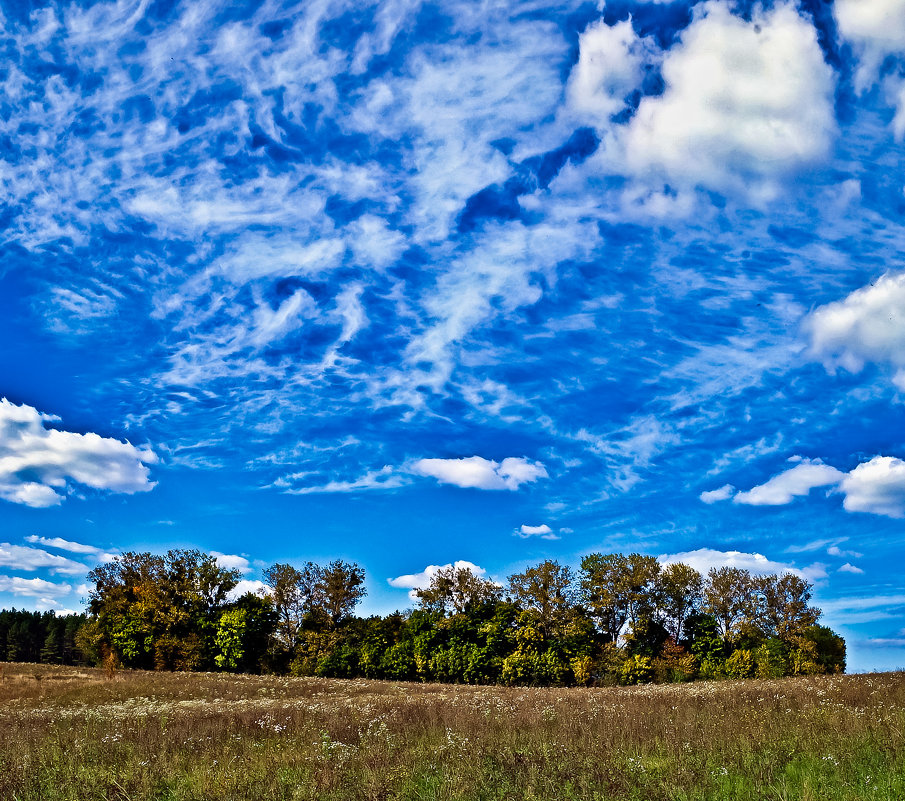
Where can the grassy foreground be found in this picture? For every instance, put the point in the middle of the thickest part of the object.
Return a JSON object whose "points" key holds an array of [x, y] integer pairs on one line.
{"points": [[70, 733]]}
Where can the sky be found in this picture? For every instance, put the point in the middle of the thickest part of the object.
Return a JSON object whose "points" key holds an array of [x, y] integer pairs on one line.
{"points": [[410, 284]]}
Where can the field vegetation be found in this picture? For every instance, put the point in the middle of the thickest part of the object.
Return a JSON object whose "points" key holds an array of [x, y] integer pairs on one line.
{"points": [[80, 734]]}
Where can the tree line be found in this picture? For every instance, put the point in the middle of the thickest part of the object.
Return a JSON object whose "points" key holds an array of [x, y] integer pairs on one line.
{"points": [[40, 637], [619, 619]]}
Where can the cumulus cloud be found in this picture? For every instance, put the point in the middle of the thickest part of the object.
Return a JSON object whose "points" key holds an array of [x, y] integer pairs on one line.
{"points": [[20, 557], [232, 562], [723, 493], [835, 550], [480, 473], [745, 102], [609, 68], [849, 568], [37, 464], [419, 581], [794, 482], [877, 487], [866, 326], [543, 531], [875, 29], [248, 585], [877, 26], [703, 559]]}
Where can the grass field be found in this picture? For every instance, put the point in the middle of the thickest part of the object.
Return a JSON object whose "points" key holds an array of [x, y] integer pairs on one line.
{"points": [[71, 733]]}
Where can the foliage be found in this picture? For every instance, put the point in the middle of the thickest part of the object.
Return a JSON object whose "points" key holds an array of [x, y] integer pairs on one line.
{"points": [[42, 637], [620, 620]]}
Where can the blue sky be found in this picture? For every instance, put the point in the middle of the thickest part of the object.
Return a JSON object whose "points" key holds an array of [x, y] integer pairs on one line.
{"points": [[409, 284]]}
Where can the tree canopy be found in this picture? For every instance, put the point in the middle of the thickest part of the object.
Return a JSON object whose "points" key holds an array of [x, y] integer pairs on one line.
{"points": [[618, 619]]}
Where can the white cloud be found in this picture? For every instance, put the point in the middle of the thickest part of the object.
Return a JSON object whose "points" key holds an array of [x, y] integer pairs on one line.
{"points": [[480, 473], [20, 557], [875, 29], [814, 545], [609, 68], [865, 609], [835, 550], [35, 587], [703, 559], [543, 531], [419, 581], [866, 326], [865, 602], [723, 493], [877, 487], [849, 568], [37, 464], [384, 478], [73, 547], [745, 102], [794, 482], [248, 585], [232, 562]]}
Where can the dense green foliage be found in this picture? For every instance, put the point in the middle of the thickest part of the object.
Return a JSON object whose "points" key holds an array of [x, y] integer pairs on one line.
{"points": [[40, 637], [618, 620]]}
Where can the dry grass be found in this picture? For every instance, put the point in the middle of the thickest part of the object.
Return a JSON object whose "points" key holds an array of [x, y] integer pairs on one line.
{"points": [[72, 734]]}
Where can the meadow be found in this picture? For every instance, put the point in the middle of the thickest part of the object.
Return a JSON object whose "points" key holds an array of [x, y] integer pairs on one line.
{"points": [[75, 734]]}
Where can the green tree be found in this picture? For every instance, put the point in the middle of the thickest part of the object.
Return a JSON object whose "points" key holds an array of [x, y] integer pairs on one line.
{"points": [[617, 589], [338, 589], [680, 587], [161, 611], [548, 589], [783, 609], [294, 593], [729, 598], [229, 639], [457, 590], [829, 647]]}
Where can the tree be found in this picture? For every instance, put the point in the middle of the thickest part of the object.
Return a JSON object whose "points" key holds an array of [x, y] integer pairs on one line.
{"points": [[783, 609], [548, 589], [228, 641], [618, 589], [161, 612], [339, 589], [829, 647], [679, 590], [456, 590], [728, 598], [294, 593]]}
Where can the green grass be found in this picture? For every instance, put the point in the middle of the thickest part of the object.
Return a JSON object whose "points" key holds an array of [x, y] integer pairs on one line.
{"points": [[71, 735]]}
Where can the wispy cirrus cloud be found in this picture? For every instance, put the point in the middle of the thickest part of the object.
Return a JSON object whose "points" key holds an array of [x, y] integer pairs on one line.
{"points": [[60, 544]]}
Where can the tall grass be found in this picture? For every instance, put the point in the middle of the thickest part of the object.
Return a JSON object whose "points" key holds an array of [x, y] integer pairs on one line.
{"points": [[70, 734]]}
